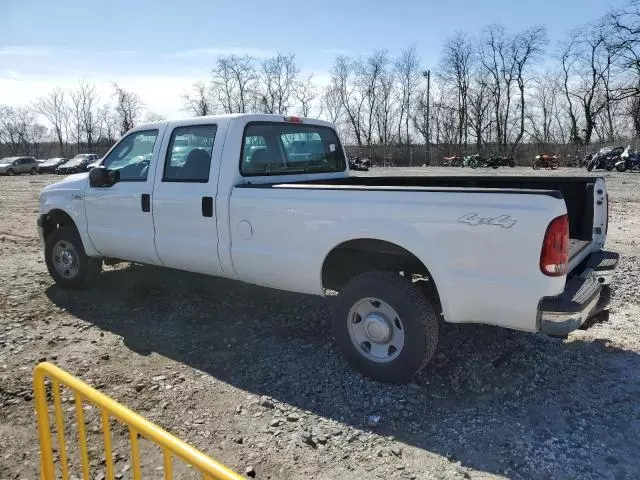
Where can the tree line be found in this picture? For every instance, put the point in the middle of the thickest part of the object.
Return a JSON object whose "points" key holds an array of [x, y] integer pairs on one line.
{"points": [[492, 89]]}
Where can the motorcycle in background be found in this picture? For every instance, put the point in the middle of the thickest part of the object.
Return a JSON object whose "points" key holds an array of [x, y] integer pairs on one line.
{"points": [[549, 162], [605, 158], [451, 161], [496, 161], [628, 160], [359, 165], [473, 161]]}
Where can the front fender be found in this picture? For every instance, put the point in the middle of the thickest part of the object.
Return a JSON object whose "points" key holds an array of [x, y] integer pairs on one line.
{"points": [[68, 196]]}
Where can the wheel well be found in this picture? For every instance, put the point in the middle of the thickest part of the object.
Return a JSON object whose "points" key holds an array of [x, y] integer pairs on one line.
{"points": [[56, 219], [355, 257]]}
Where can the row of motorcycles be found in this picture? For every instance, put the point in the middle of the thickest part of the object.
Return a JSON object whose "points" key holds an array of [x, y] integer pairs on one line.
{"points": [[477, 160], [608, 158]]}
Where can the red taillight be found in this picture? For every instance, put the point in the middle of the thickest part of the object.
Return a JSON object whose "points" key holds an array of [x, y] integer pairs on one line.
{"points": [[293, 119], [554, 256]]}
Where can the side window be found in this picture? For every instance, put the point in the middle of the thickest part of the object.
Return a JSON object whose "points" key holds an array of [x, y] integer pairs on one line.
{"points": [[132, 156], [189, 154]]}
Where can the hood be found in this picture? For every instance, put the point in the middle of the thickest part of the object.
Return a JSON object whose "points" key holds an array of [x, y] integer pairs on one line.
{"points": [[5, 164], [77, 181]]}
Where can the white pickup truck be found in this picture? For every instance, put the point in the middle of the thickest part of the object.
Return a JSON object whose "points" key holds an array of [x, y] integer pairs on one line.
{"points": [[269, 200]]}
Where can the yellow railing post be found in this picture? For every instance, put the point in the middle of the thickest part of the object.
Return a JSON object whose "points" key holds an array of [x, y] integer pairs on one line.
{"points": [[44, 432], [169, 445]]}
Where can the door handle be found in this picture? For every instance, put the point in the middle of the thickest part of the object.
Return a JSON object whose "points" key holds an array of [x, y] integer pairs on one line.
{"points": [[145, 202], [207, 206]]}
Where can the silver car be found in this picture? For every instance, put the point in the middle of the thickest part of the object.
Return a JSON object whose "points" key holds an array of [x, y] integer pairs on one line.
{"points": [[17, 165]]}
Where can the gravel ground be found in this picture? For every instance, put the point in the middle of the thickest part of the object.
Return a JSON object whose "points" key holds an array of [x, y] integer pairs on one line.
{"points": [[250, 375]]}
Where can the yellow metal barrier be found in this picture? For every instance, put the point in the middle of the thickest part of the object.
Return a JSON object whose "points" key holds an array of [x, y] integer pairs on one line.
{"points": [[170, 446]]}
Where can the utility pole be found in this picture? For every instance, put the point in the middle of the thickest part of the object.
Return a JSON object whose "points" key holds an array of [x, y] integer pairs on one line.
{"points": [[427, 140]]}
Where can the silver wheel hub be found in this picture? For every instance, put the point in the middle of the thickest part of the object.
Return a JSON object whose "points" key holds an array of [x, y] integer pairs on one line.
{"points": [[375, 329], [65, 259]]}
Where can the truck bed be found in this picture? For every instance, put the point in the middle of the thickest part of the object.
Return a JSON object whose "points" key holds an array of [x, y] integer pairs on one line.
{"points": [[577, 192]]}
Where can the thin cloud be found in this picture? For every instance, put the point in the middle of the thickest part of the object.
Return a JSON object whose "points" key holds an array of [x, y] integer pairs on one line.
{"points": [[217, 51], [24, 51]]}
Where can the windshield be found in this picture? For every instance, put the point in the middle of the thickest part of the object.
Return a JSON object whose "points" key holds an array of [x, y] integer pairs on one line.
{"points": [[74, 161], [285, 149]]}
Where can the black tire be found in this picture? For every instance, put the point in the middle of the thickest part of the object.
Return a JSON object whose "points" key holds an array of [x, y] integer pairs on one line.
{"points": [[590, 166], [536, 165], [418, 316], [473, 163], [621, 167], [512, 163], [554, 164], [89, 267], [34, 171], [609, 166], [10, 171]]}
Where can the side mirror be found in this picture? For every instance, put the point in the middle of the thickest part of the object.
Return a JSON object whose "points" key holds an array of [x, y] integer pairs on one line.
{"points": [[100, 177]]}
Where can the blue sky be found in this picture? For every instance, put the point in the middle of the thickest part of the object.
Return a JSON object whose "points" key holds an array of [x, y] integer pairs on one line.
{"points": [[160, 48]]}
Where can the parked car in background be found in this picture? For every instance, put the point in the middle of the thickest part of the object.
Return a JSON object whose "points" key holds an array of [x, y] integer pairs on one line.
{"points": [[79, 163], [50, 165], [16, 165], [97, 163], [41, 160]]}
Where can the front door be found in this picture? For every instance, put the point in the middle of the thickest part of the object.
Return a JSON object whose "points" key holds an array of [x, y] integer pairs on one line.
{"points": [[186, 235], [119, 218]]}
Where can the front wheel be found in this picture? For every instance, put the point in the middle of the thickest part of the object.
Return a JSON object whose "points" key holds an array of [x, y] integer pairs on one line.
{"points": [[473, 163], [590, 166], [10, 172], [536, 165], [385, 326], [621, 167], [554, 164], [67, 262]]}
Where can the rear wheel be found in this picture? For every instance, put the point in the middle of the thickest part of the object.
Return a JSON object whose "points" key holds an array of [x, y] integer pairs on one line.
{"points": [[512, 163], [67, 262], [554, 164], [621, 167], [385, 326], [473, 163], [33, 171]]}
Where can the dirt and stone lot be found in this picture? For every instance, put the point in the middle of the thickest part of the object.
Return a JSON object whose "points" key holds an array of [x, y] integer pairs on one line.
{"points": [[250, 375]]}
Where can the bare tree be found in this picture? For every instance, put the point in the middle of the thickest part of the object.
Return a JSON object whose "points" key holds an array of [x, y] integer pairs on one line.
{"points": [[306, 92], [527, 46], [457, 65], [19, 130], [331, 104], [54, 108], [342, 80], [479, 104], [278, 80], [234, 83], [408, 73], [368, 73], [198, 102], [128, 108]]}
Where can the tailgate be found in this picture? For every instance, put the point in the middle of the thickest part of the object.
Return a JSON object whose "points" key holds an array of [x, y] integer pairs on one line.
{"points": [[588, 221]]}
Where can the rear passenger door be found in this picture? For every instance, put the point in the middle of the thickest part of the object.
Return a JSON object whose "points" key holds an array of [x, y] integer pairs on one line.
{"points": [[184, 196]]}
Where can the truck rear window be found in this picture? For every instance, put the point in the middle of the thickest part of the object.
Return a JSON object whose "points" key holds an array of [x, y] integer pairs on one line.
{"points": [[286, 149]]}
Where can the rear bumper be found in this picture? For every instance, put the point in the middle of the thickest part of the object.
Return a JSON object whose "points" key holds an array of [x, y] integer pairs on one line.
{"points": [[583, 296]]}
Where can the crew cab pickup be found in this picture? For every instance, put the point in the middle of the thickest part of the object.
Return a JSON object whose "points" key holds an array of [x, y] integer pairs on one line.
{"points": [[269, 200]]}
